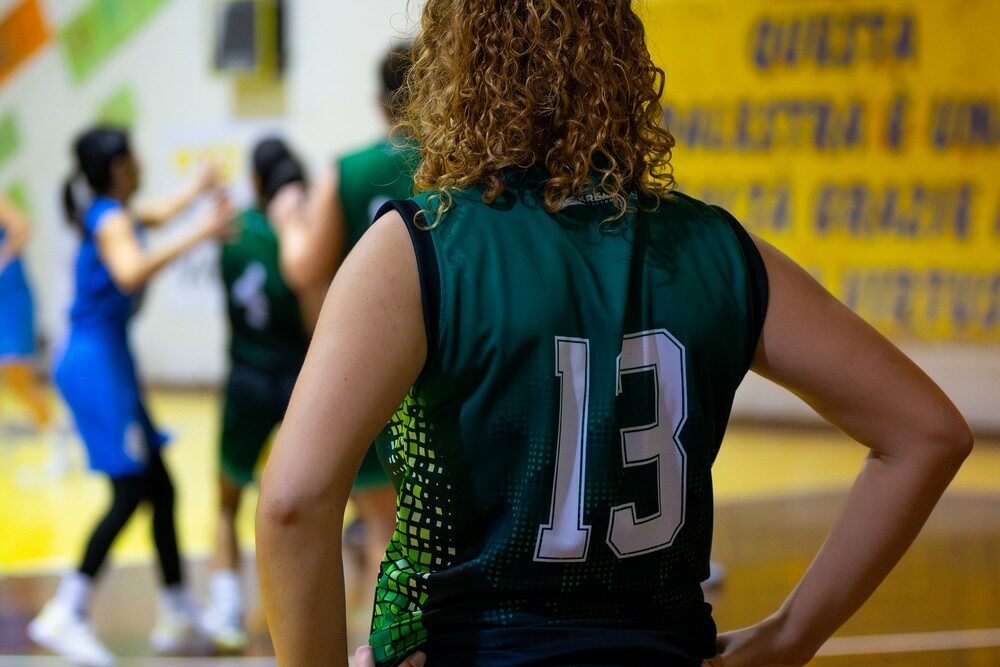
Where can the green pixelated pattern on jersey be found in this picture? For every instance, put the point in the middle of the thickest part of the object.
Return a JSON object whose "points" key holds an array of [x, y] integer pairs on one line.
{"points": [[422, 539]]}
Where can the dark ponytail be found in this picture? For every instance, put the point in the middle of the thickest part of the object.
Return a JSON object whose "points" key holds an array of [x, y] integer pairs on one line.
{"points": [[275, 166], [76, 196], [95, 150]]}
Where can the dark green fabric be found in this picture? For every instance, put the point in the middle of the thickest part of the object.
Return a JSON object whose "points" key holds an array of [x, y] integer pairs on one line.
{"points": [[255, 404], [372, 176], [266, 329], [370, 473], [473, 450]]}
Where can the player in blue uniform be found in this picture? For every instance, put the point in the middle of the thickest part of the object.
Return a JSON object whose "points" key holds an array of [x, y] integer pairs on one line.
{"points": [[565, 334], [17, 326], [97, 377]]}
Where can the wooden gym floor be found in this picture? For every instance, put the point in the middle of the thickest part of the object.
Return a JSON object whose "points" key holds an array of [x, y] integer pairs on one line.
{"points": [[777, 492]]}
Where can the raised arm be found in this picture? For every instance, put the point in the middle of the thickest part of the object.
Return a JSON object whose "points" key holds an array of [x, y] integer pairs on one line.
{"points": [[158, 211], [856, 379], [131, 266], [16, 227], [313, 234], [367, 351]]}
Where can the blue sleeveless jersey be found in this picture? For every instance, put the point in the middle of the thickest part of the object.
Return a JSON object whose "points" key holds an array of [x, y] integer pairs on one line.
{"points": [[98, 301], [17, 320], [96, 373]]}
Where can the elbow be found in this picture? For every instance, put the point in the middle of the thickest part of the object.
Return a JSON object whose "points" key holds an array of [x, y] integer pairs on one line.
{"points": [[277, 516], [302, 273], [951, 441], [129, 277], [129, 284], [20, 239], [293, 270], [961, 441], [278, 509], [285, 507], [297, 277]]}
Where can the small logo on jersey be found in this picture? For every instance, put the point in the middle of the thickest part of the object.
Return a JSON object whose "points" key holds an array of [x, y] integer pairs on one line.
{"points": [[592, 198], [248, 292]]}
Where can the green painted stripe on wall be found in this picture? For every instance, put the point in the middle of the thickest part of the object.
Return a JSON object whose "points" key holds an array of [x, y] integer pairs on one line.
{"points": [[10, 137], [17, 193], [100, 28], [120, 108]]}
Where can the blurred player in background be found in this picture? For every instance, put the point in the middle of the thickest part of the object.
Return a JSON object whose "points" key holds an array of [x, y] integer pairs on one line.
{"points": [[267, 345], [17, 319], [314, 241], [568, 335], [97, 377]]}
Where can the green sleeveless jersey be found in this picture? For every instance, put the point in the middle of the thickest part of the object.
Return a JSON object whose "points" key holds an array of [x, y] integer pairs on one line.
{"points": [[266, 329], [371, 177], [553, 460]]}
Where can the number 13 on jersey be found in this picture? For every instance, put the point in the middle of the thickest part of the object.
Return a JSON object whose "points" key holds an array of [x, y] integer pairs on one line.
{"points": [[566, 536]]}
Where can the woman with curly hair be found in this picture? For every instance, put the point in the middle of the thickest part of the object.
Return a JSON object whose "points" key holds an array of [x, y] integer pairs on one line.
{"points": [[555, 337]]}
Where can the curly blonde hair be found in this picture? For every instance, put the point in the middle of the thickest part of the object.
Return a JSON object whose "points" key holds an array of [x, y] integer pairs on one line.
{"points": [[568, 84]]}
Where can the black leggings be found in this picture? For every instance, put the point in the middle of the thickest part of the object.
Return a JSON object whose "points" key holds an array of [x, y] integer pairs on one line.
{"points": [[153, 485]]}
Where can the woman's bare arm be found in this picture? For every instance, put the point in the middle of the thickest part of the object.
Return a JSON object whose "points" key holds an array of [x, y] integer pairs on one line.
{"points": [[313, 234], [367, 351], [131, 266], [856, 379], [157, 211]]}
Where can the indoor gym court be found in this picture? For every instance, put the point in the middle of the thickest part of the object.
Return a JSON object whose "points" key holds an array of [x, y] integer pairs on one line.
{"points": [[813, 121], [777, 491]]}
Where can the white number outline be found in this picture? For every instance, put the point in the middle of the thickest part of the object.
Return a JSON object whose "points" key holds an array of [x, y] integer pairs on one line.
{"points": [[546, 550], [572, 543], [630, 508]]}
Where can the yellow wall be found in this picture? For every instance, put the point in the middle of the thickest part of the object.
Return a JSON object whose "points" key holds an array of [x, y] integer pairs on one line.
{"points": [[862, 137]]}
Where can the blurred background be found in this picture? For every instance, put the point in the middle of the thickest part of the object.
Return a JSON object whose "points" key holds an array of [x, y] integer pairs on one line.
{"points": [[193, 79], [862, 137]]}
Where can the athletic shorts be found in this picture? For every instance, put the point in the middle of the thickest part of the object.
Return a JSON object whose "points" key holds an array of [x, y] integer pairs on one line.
{"points": [[96, 377], [255, 403]]}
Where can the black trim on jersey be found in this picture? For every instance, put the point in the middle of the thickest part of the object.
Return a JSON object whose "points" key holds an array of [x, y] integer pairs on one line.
{"points": [[759, 290], [427, 267]]}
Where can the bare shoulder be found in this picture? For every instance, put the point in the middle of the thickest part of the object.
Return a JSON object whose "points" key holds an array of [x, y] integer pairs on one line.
{"points": [[386, 246], [114, 223]]}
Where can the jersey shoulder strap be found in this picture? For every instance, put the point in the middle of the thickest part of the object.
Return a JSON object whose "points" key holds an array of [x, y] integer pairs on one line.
{"points": [[427, 266]]}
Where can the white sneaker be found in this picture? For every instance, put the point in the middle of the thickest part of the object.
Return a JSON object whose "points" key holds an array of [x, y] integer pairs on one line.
{"points": [[176, 629], [223, 617], [225, 630], [62, 631]]}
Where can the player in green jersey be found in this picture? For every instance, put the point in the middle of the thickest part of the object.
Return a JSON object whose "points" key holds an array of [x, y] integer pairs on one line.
{"points": [[566, 335], [317, 235], [267, 344], [314, 243]]}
